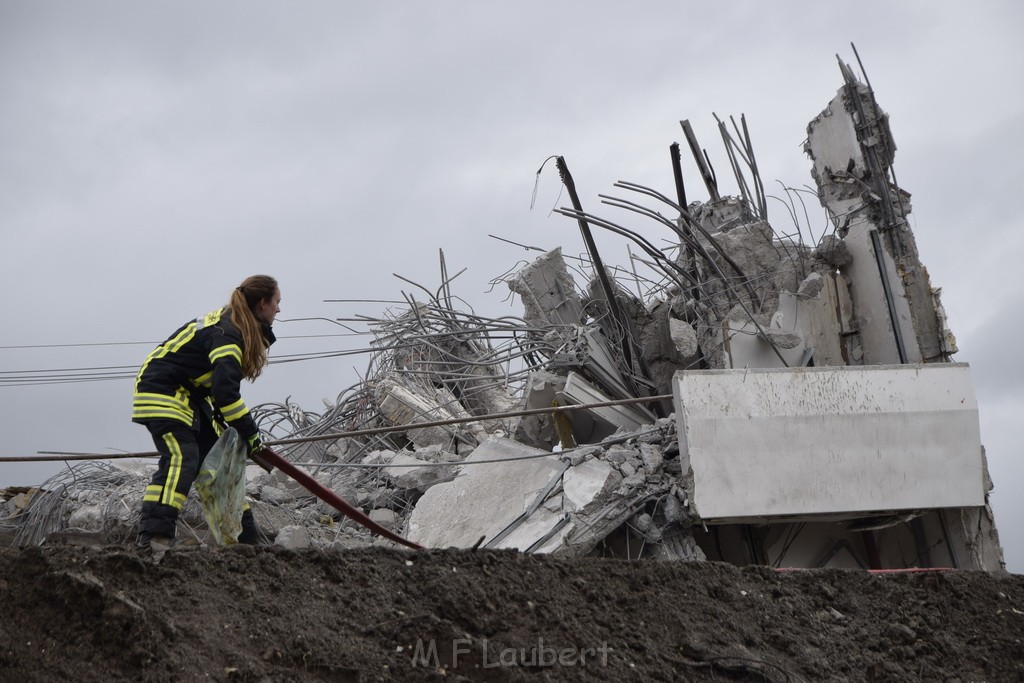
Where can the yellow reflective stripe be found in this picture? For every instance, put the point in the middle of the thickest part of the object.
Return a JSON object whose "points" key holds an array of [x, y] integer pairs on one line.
{"points": [[153, 492], [234, 411], [228, 350], [204, 380], [169, 346], [149, 405], [173, 470], [160, 399], [158, 413], [178, 501], [173, 345], [179, 403]]}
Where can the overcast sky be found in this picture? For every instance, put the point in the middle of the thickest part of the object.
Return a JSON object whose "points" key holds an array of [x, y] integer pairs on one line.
{"points": [[153, 154]]}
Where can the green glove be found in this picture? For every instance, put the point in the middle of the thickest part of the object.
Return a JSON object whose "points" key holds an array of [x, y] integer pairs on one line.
{"points": [[255, 444]]}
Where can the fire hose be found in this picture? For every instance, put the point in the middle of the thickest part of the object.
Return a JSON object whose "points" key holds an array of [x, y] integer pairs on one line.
{"points": [[268, 459]]}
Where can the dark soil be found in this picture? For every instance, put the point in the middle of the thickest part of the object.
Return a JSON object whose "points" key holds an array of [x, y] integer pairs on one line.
{"points": [[266, 614]]}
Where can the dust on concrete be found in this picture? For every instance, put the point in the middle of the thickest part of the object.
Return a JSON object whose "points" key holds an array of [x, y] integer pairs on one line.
{"points": [[269, 614]]}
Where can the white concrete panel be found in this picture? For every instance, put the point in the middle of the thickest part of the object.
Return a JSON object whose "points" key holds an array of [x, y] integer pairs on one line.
{"points": [[811, 441]]}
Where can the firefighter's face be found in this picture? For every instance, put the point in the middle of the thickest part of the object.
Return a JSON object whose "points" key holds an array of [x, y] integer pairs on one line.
{"points": [[267, 309]]}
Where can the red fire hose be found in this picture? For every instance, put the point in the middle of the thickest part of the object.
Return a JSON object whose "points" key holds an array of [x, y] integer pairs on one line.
{"points": [[268, 459]]}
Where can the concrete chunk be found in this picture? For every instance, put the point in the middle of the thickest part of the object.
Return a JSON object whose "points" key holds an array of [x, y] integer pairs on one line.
{"points": [[414, 473], [384, 516], [684, 337], [485, 499], [652, 456], [293, 537], [548, 292], [404, 402], [587, 482]]}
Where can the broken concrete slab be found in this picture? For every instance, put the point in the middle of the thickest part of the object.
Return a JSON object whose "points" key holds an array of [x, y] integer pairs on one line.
{"points": [[851, 145], [590, 350], [404, 402], [745, 347], [584, 485], [593, 424], [486, 498]]}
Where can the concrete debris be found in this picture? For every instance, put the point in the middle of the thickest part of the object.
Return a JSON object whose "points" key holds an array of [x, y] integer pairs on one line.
{"points": [[552, 304], [86, 518], [447, 515], [594, 424], [402, 400], [786, 443], [587, 483], [833, 251], [411, 472], [684, 338], [292, 537], [384, 516]]}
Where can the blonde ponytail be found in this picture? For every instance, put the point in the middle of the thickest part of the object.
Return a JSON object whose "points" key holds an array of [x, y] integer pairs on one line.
{"points": [[244, 299]]}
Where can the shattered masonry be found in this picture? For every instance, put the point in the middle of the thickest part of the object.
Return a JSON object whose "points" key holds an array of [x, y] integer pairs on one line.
{"points": [[778, 353]]}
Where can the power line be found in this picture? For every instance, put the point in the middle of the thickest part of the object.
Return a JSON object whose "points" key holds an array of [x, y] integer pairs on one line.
{"points": [[22, 378], [372, 431], [150, 343]]}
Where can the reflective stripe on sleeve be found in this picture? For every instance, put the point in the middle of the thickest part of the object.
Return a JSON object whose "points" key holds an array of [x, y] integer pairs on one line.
{"points": [[234, 411], [226, 351]]}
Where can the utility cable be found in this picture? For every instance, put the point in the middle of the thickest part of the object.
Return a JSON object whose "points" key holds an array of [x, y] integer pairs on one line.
{"points": [[68, 455]]}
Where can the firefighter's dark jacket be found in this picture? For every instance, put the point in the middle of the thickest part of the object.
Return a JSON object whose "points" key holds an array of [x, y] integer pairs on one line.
{"points": [[201, 360]]}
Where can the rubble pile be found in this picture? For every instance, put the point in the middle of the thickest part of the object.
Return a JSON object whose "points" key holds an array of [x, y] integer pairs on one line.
{"points": [[433, 443]]}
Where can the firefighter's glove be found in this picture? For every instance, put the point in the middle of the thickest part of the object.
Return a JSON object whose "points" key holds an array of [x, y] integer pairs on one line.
{"points": [[255, 444]]}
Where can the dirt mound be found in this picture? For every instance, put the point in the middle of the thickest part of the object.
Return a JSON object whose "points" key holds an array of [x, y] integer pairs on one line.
{"points": [[248, 613]]}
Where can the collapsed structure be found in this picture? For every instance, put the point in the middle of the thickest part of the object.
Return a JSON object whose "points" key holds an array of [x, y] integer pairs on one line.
{"points": [[758, 400]]}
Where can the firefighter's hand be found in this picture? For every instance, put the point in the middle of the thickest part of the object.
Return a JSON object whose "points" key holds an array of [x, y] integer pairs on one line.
{"points": [[255, 444]]}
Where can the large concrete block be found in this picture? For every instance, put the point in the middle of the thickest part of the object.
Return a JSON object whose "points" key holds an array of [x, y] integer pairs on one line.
{"points": [[837, 441], [485, 499]]}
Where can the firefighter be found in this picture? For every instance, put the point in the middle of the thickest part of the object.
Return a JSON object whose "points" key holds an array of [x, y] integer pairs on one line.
{"points": [[188, 390]]}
